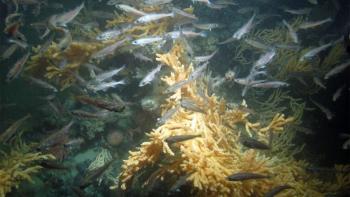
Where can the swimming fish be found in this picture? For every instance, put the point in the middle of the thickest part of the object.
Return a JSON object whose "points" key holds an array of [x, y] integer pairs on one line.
{"points": [[198, 71], [310, 54], [179, 138], [108, 35], [206, 58], [257, 44], [108, 74], [129, 9], [318, 82], [312, 24], [276, 190], [250, 142], [242, 176], [147, 40], [241, 31], [151, 17], [167, 115], [338, 69], [176, 86], [10, 132], [109, 49], [157, 2], [189, 104], [298, 11], [106, 85], [326, 111], [64, 18], [150, 76], [292, 32], [9, 51], [17, 68], [207, 26], [338, 93], [101, 103], [270, 84], [43, 84], [265, 59]]}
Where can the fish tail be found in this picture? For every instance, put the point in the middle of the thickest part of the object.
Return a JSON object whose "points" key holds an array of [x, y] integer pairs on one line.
{"points": [[203, 34]]}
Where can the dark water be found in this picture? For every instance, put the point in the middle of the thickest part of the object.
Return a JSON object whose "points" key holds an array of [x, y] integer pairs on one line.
{"points": [[115, 133]]}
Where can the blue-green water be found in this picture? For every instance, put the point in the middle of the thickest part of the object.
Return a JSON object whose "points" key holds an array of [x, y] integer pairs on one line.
{"points": [[302, 89]]}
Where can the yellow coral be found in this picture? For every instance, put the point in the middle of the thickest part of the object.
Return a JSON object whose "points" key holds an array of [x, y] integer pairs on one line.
{"points": [[208, 159], [17, 166]]}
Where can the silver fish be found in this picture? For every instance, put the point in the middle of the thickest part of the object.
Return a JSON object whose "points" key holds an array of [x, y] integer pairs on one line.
{"points": [[109, 74], [9, 51], [338, 69], [19, 43], [315, 2], [129, 9], [207, 26], [299, 11], [312, 24], [157, 2], [189, 104], [185, 33], [150, 76], [64, 18], [147, 40], [241, 31], [167, 115], [66, 41], [198, 71], [206, 58], [151, 17], [176, 86], [108, 35], [43, 84], [242, 176], [106, 86], [310, 54], [270, 84], [109, 49], [326, 111], [142, 57], [318, 82], [17, 68], [265, 59], [338, 93], [184, 14], [292, 32], [257, 44]]}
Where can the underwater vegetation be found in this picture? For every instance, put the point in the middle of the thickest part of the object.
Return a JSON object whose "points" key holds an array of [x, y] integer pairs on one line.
{"points": [[207, 160]]}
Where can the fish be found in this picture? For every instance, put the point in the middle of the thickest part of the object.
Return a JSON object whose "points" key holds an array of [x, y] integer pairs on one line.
{"points": [[173, 88], [184, 14], [298, 11], [241, 31], [17, 68], [109, 49], [94, 174], [9, 51], [318, 82], [86, 114], [150, 76], [270, 84], [189, 104], [147, 40], [109, 35], [151, 17], [167, 115], [257, 44], [250, 142], [179, 138], [101, 103], [207, 26], [66, 41], [142, 57], [43, 84], [198, 71], [108, 74], [129, 9], [292, 32], [338, 69], [177, 185], [9, 133], [51, 140], [157, 2], [276, 190], [312, 24], [19, 43], [338, 93], [314, 2], [310, 54], [265, 59], [206, 58], [326, 111], [346, 144], [185, 33], [106, 85], [63, 19], [242, 176]]}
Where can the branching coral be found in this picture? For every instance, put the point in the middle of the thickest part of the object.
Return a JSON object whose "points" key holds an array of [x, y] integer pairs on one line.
{"points": [[59, 65], [216, 153], [18, 165]]}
